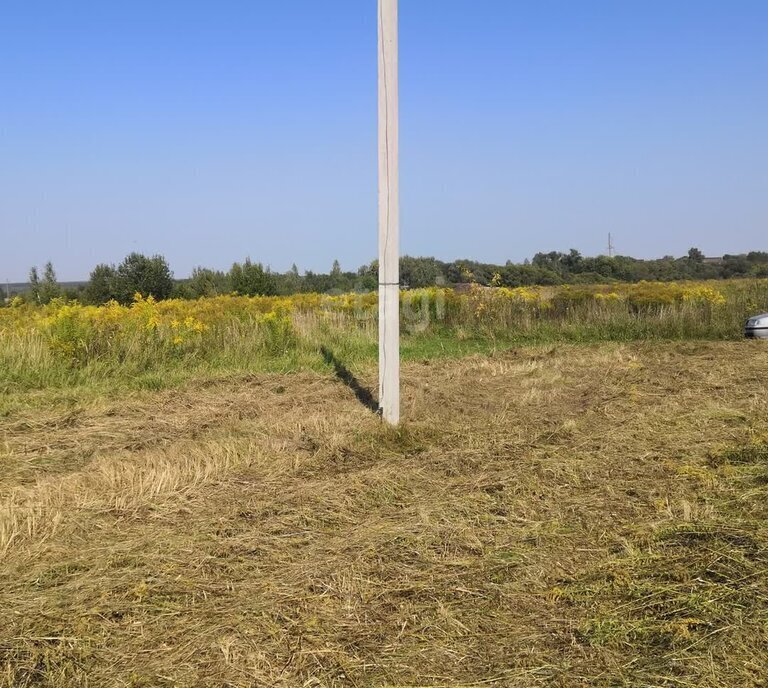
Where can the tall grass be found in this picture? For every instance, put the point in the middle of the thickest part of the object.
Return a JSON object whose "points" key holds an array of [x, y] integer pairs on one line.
{"points": [[152, 344]]}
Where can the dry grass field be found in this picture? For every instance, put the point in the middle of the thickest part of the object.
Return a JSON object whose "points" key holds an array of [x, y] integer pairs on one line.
{"points": [[561, 515]]}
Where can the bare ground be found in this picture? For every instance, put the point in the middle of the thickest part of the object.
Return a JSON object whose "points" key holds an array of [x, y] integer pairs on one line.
{"points": [[559, 516]]}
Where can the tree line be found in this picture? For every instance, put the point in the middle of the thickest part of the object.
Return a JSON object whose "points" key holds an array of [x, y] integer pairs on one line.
{"points": [[151, 275]]}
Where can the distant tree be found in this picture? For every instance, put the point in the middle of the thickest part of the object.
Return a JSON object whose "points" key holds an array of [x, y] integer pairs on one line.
{"points": [[695, 255], [371, 268], [420, 272], [139, 274], [554, 261], [735, 266], [251, 279], [316, 283], [34, 284], [465, 270], [290, 282], [102, 285], [152, 276], [572, 261], [364, 283], [49, 288], [74, 293], [207, 282], [337, 280], [526, 275], [367, 277]]}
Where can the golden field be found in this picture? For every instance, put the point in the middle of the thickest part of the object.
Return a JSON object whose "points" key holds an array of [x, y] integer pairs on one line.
{"points": [[263, 328]]}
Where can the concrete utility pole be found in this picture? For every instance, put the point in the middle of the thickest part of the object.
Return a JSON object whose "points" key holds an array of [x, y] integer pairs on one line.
{"points": [[389, 216]]}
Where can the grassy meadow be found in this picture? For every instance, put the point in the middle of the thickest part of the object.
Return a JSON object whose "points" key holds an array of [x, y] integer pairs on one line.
{"points": [[193, 495], [156, 344]]}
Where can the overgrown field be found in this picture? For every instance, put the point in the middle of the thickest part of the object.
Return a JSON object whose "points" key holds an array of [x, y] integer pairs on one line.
{"points": [[193, 495], [156, 344], [559, 515]]}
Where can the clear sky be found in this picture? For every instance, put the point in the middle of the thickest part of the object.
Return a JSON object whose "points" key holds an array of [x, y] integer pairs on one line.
{"points": [[210, 131]]}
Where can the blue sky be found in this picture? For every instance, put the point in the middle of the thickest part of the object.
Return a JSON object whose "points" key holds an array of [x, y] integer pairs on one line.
{"points": [[212, 131]]}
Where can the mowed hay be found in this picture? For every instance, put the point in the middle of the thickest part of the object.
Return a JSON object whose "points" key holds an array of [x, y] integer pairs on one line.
{"points": [[563, 516]]}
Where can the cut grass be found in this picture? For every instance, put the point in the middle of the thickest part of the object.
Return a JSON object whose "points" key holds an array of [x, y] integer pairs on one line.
{"points": [[552, 516]]}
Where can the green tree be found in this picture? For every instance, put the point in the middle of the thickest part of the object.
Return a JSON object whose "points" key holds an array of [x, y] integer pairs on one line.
{"points": [[49, 288], [695, 255], [139, 274], [573, 261], [34, 284], [207, 282], [102, 285], [290, 282], [251, 279], [420, 272], [339, 281]]}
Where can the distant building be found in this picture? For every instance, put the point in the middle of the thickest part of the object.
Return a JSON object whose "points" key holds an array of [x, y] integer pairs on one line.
{"points": [[712, 261]]}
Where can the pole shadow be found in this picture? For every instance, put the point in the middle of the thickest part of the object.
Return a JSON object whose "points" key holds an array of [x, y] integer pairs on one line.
{"points": [[364, 395]]}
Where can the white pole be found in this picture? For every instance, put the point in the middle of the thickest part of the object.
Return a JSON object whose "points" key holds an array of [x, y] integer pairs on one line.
{"points": [[389, 216]]}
